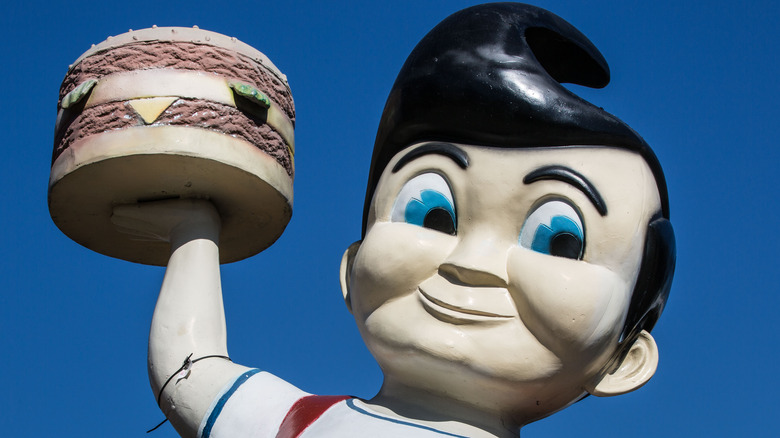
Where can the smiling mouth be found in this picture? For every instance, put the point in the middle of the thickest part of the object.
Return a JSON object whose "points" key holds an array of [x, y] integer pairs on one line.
{"points": [[466, 304]]}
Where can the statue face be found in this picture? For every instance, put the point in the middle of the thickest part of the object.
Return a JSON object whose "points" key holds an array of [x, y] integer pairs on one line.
{"points": [[477, 285]]}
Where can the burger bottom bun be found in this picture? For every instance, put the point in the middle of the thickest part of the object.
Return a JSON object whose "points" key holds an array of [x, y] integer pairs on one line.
{"points": [[252, 192]]}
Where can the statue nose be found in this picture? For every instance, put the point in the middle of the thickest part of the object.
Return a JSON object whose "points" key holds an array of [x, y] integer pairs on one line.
{"points": [[478, 260]]}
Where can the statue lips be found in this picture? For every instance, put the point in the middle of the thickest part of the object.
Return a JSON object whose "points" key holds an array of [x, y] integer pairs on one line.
{"points": [[465, 304]]}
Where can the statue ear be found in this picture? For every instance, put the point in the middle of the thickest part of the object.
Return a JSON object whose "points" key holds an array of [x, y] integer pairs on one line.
{"points": [[635, 368], [345, 271]]}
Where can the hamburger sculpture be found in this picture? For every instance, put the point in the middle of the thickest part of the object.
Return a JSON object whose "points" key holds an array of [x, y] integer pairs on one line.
{"points": [[167, 113]]}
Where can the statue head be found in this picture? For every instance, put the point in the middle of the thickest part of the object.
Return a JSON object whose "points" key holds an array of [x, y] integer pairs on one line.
{"points": [[516, 245]]}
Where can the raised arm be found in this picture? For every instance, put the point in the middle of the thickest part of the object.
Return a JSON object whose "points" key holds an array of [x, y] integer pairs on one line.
{"points": [[189, 319]]}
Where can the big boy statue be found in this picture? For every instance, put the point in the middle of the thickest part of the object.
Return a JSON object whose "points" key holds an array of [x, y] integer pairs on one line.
{"points": [[516, 252]]}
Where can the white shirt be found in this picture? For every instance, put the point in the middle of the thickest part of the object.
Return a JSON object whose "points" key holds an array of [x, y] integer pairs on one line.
{"points": [[257, 403]]}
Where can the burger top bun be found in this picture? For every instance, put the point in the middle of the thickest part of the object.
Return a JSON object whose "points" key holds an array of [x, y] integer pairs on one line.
{"points": [[183, 34]]}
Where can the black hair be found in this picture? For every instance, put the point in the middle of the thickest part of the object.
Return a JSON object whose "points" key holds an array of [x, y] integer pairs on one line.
{"points": [[491, 75]]}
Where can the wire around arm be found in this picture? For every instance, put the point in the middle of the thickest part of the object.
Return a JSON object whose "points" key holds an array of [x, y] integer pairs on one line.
{"points": [[185, 367]]}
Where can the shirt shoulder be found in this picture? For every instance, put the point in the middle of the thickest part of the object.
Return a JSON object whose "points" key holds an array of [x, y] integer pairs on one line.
{"points": [[252, 406]]}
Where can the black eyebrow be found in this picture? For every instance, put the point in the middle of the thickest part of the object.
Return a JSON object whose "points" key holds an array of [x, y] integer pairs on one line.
{"points": [[563, 173], [449, 150]]}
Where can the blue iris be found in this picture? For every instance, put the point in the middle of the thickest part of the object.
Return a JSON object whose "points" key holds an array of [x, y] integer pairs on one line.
{"points": [[432, 210], [562, 238]]}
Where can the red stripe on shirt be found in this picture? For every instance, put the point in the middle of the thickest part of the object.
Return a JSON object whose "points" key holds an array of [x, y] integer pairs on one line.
{"points": [[304, 412]]}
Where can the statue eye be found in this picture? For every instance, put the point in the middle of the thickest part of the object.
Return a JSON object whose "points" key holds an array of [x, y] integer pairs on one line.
{"points": [[554, 228], [426, 201]]}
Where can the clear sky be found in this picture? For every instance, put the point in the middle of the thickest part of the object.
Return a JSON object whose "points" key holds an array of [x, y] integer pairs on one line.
{"points": [[699, 83]]}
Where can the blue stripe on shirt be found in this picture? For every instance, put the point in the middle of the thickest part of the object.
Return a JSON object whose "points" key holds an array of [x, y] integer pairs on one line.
{"points": [[351, 405], [222, 400]]}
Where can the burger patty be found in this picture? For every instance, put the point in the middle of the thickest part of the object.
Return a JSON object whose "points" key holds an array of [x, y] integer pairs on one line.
{"points": [[197, 113], [182, 56]]}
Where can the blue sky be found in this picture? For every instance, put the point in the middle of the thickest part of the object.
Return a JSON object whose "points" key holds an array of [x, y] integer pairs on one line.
{"points": [[698, 83]]}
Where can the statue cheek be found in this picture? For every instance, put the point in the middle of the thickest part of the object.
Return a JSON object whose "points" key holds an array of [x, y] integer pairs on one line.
{"points": [[572, 307], [393, 260]]}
